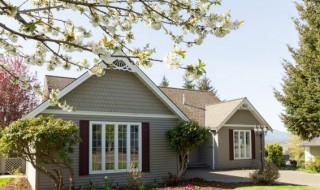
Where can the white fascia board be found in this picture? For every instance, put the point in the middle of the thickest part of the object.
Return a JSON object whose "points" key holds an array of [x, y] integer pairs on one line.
{"points": [[112, 114]]}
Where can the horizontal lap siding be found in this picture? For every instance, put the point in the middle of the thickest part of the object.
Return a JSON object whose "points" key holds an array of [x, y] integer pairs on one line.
{"points": [[162, 159], [243, 117], [315, 150], [222, 152], [116, 91], [205, 152]]}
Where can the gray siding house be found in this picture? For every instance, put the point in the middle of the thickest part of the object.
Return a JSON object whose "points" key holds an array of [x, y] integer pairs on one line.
{"points": [[123, 117]]}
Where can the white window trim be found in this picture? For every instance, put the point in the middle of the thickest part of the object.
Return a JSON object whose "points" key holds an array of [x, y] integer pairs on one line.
{"points": [[245, 148], [116, 124]]}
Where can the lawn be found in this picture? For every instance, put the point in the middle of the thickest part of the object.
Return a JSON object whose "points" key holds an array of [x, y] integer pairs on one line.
{"points": [[279, 187], [4, 181]]}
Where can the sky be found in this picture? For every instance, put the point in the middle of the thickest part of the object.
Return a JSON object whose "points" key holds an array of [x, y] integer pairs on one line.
{"points": [[245, 63]]}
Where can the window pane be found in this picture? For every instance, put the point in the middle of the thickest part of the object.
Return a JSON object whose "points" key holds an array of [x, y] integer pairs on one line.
{"points": [[110, 147], [134, 145], [242, 142], [236, 144], [122, 147], [96, 147], [248, 145]]}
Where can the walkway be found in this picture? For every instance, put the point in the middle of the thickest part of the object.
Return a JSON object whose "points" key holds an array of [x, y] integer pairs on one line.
{"points": [[286, 176]]}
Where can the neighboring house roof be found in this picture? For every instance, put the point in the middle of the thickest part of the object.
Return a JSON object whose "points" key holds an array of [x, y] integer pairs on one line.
{"points": [[56, 82], [127, 66], [218, 114], [313, 142], [191, 102]]}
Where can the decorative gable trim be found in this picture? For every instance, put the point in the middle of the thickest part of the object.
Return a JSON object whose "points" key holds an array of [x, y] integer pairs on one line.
{"points": [[120, 63]]}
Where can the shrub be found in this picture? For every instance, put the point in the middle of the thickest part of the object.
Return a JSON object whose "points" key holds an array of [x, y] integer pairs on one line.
{"points": [[293, 163], [314, 165], [266, 175], [170, 180], [134, 175], [274, 154]]}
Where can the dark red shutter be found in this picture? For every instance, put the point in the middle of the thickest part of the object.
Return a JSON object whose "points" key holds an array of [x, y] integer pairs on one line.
{"points": [[253, 144], [145, 147], [231, 155], [84, 148]]}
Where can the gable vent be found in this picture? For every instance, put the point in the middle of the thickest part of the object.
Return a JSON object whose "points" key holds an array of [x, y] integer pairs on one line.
{"points": [[244, 107], [120, 65]]}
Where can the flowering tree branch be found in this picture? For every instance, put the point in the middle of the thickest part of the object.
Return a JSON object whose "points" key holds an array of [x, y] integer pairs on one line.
{"points": [[58, 39]]}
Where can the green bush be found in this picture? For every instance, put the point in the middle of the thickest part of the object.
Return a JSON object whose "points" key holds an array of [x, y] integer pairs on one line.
{"points": [[266, 175], [313, 165], [274, 154]]}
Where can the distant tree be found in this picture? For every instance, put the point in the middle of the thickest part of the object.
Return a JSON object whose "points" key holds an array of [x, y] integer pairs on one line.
{"points": [[295, 151], [45, 142], [300, 93], [187, 83], [16, 98], [164, 82], [183, 138], [204, 83], [274, 153]]}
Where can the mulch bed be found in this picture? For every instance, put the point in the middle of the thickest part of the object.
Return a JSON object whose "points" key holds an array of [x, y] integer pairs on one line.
{"points": [[23, 184], [16, 184], [207, 185]]}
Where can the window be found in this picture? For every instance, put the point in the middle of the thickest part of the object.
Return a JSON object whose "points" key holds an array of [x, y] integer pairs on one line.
{"points": [[114, 146], [242, 144]]}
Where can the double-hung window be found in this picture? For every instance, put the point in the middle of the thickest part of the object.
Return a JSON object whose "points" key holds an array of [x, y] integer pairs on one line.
{"points": [[242, 144], [114, 146]]}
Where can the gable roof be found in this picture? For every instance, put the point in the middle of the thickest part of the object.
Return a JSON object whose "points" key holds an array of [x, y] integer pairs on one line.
{"points": [[128, 66], [191, 102], [313, 142], [218, 114]]}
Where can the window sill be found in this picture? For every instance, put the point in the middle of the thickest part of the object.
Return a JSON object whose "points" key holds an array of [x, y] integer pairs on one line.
{"points": [[242, 158], [108, 172]]}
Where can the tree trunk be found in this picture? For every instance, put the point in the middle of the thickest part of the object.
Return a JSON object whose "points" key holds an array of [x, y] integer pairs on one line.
{"points": [[184, 164], [71, 177]]}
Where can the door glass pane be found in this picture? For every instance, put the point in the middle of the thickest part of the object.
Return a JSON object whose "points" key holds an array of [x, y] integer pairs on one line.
{"points": [[236, 144], [110, 147], [134, 145], [248, 145], [96, 147], [122, 147], [242, 153]]}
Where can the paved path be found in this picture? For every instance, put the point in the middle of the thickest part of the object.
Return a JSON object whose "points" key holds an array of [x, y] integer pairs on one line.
{"points": [[286, 176]]}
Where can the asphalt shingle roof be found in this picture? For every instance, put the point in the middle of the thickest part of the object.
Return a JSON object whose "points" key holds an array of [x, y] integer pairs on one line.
{"points": [[217, 113], [195, 102]]}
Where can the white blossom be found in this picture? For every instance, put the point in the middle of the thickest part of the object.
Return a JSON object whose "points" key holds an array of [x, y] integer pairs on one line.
{"points": [[78, 37], [173, 60]]}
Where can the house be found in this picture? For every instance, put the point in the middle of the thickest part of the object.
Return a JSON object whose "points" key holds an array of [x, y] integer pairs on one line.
{"points": [[123, 117], [311, 148]]}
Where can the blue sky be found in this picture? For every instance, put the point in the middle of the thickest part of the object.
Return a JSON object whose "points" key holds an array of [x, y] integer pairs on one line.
{"points": [[246, 63]]}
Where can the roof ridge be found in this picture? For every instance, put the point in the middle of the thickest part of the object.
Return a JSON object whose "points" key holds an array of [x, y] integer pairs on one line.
{"points": [[60, 76], [222, 102], [186, 89]]}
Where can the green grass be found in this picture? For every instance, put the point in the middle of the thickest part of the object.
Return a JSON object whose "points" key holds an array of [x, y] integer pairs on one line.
{"points": [[279, 187], [3, 181]]}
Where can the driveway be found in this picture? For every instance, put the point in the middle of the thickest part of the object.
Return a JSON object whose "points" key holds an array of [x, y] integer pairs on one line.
{"points": [[286, 176]]}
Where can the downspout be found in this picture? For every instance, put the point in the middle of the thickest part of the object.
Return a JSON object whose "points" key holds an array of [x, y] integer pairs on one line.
{"points": [[213, 148]]}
